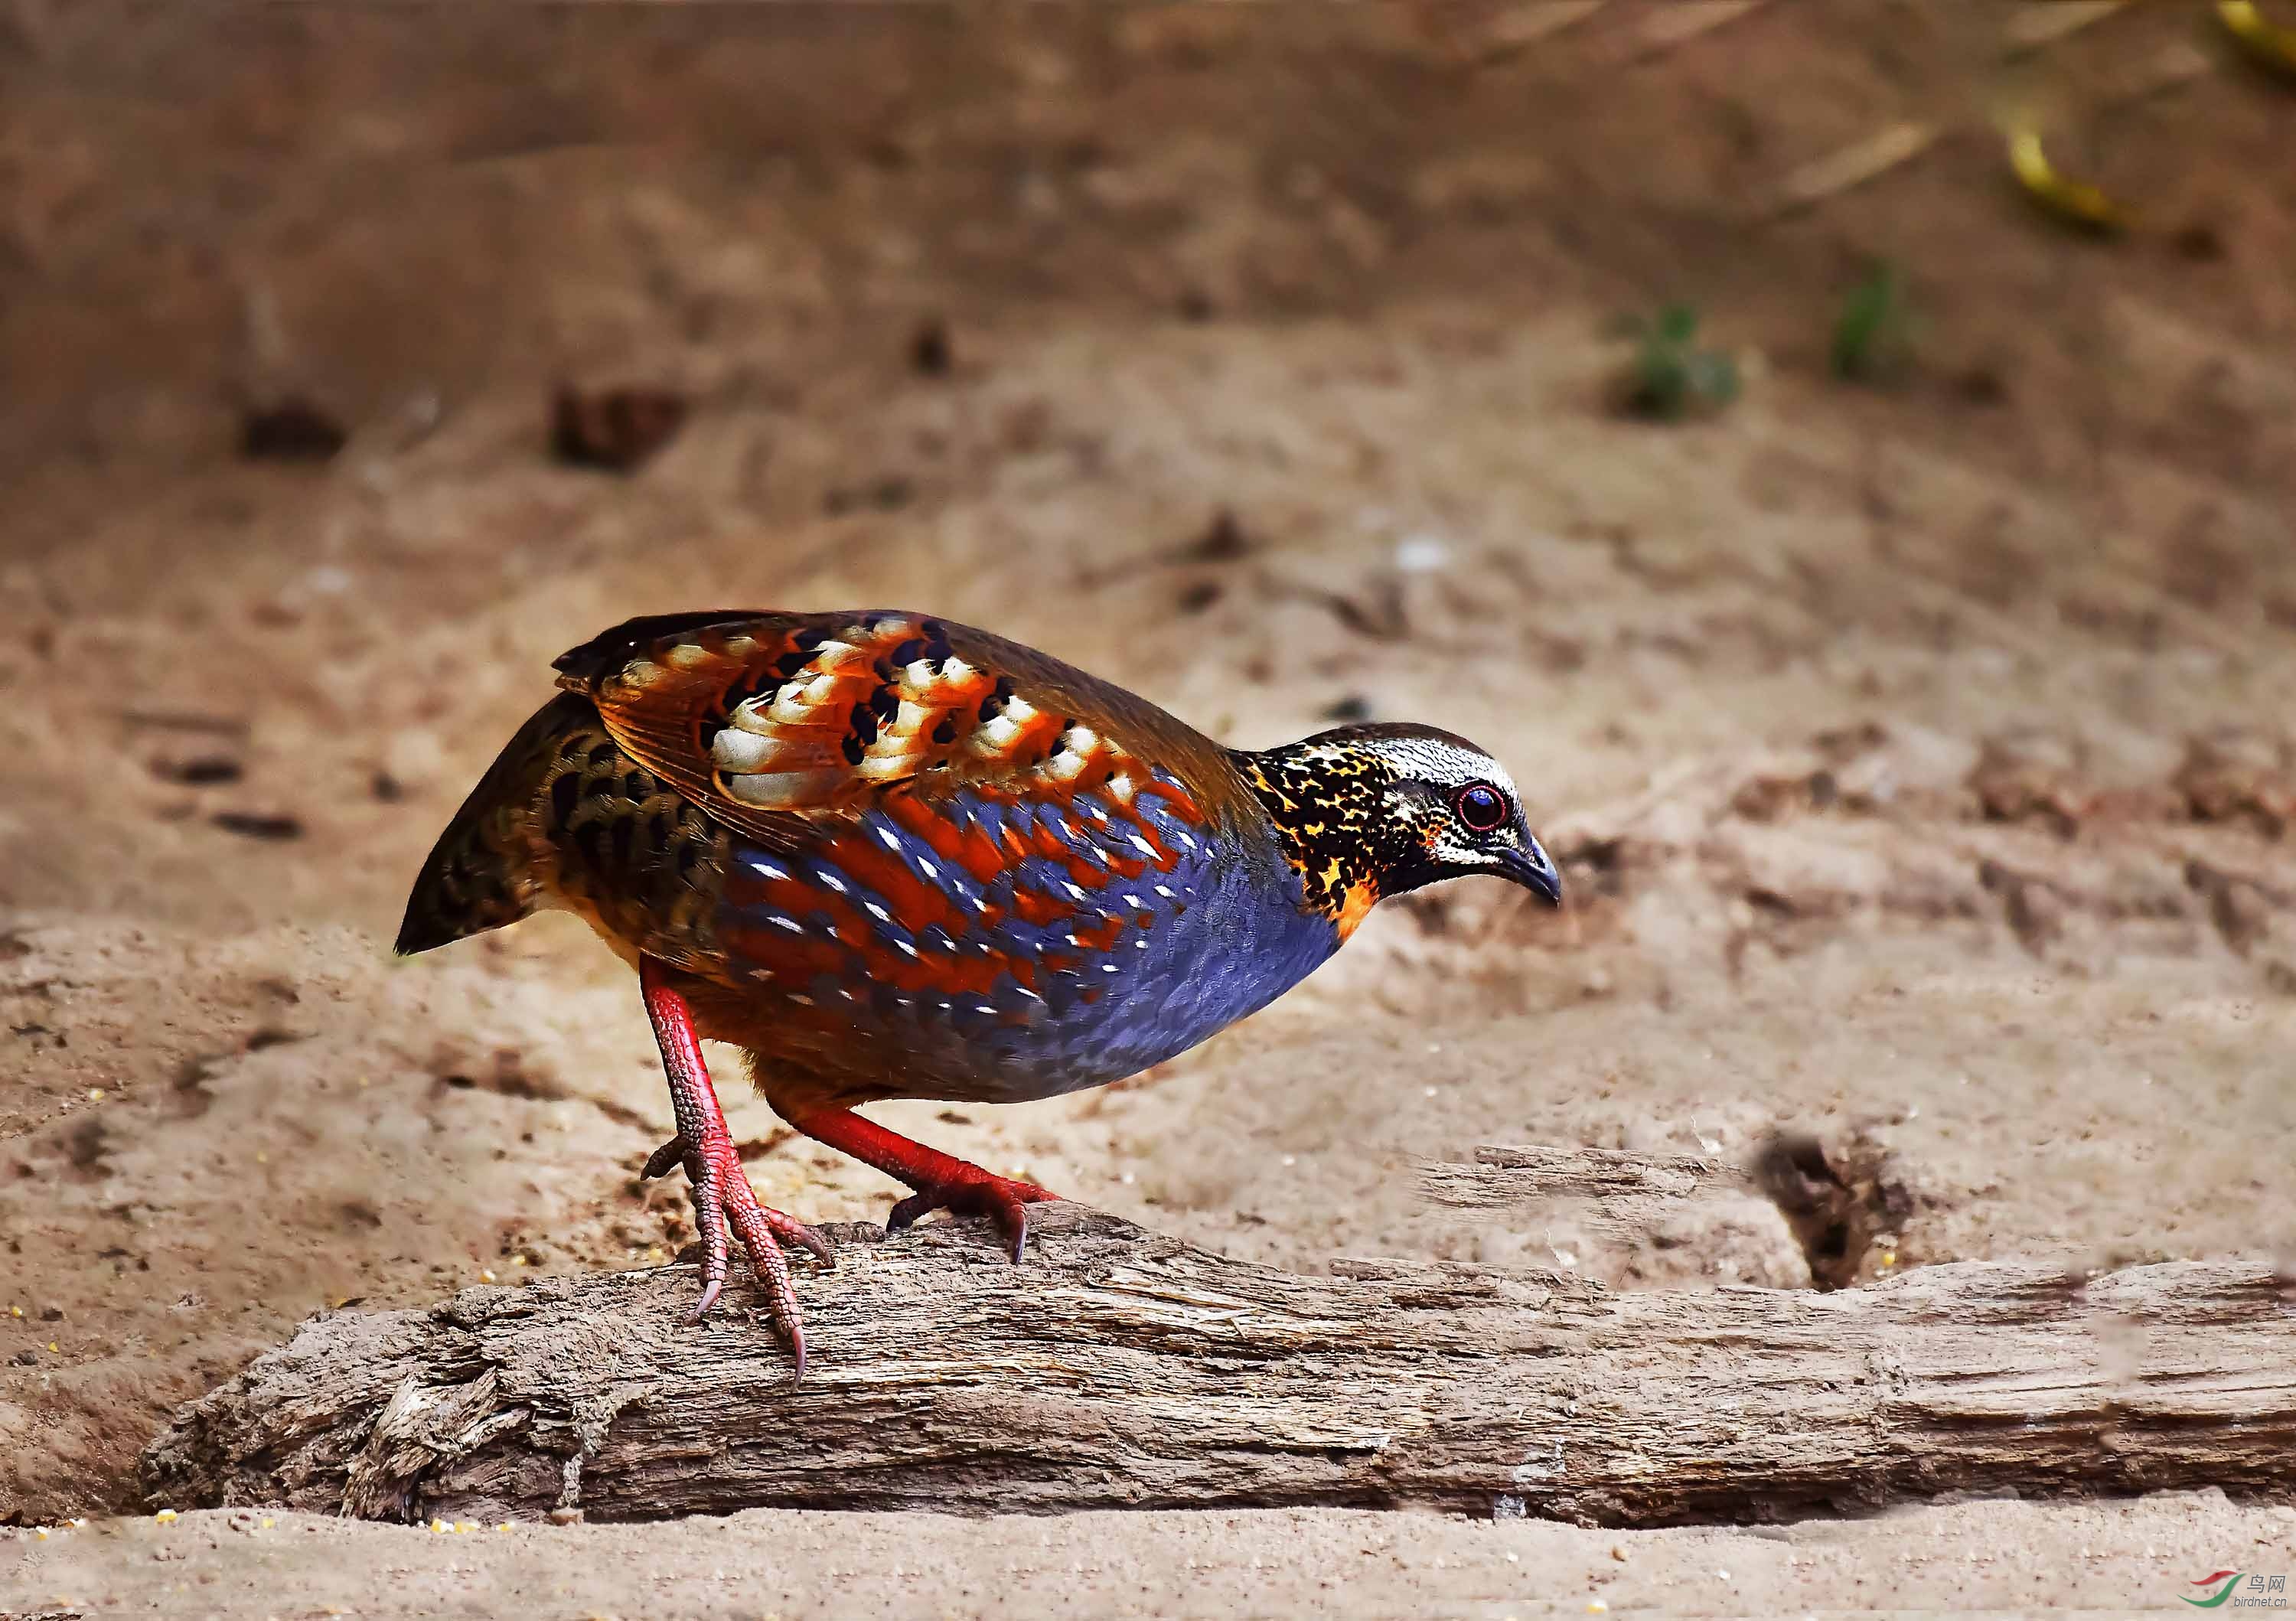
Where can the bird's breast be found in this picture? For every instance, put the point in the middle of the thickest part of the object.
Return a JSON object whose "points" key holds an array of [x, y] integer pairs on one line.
{"points": [[994, 949]]}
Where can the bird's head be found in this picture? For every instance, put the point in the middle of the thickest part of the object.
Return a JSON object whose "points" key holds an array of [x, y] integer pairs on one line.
{"points": [[1366, 812]]}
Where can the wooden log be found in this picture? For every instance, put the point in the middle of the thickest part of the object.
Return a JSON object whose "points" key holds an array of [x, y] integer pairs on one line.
{"points": [[1119, 1367]]}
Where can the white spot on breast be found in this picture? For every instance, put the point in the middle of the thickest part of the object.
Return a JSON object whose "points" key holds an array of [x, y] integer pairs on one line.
{"points": [[1143, 846], [1133, 901], [891, 841], [905, 947], [1108, 968], [877, 912], [1031, 994], [1073, 890], [1185, 842], [834, 881], [765, 869], [982, 1007], [928, 870], [791, 924], [802, 1001], [1165, 893]]}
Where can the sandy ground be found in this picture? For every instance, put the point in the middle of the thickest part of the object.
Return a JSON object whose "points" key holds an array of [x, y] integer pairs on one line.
{"points": [[1920, 757], [2000, 1556]]}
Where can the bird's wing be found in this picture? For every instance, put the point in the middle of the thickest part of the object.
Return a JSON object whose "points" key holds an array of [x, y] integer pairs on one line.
{"points": [[790, 726]]}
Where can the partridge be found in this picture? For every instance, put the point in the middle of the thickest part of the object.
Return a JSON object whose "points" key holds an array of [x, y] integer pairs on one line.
{"points": [[891, 857]]}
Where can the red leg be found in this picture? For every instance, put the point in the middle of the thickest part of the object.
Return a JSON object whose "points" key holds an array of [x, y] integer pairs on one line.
{"points": [[722, 1194], [942, 1181]]}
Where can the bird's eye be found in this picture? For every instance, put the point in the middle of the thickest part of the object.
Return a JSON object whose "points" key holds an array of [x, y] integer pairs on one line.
{"points": [[1480, 807]]}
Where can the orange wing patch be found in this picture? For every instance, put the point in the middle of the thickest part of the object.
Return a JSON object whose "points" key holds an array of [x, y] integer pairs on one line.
{"points": [[775, 725], [851, 719], [848, 718]]}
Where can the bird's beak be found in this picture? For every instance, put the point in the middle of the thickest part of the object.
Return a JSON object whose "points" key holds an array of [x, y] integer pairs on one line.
{"points": [[1530, 867]]}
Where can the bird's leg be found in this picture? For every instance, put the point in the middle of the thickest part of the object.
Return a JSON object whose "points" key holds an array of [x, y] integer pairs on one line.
{"points": [[722, 1194], [942, 1181]]}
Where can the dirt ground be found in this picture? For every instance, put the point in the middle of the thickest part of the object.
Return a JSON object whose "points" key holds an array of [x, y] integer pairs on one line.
{"points": [[2001, 1556], [1919, 755]]}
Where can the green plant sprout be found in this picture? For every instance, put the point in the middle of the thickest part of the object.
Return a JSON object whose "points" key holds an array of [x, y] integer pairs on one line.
{"points": [[1670, 377]]}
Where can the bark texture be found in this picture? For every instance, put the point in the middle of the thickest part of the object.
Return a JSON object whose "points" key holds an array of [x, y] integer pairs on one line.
{"points": [[1119, 1367]]}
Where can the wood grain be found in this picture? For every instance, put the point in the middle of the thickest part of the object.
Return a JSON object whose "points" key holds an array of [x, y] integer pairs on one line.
{"points": [[1120, 1367]]}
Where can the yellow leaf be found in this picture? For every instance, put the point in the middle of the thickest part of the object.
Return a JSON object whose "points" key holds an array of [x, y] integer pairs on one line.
{"points": [[2072, 200]]}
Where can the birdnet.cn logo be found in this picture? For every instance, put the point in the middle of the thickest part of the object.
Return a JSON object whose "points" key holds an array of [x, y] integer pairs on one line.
{"points": [[2239, 1589]]}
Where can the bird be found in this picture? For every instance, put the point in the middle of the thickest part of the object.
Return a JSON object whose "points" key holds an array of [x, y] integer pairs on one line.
{"points": [[888, 855]]}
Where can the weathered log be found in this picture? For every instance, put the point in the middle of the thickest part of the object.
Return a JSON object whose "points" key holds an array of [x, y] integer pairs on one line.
{"points": [[1120, 1367]]}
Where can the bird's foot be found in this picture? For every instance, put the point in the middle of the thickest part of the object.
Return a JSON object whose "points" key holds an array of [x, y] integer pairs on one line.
{"points": [[970, 1191], [723, 1198]]}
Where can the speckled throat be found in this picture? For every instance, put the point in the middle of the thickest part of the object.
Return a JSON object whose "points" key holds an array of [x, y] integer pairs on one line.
{"points": [[1327, 795]]}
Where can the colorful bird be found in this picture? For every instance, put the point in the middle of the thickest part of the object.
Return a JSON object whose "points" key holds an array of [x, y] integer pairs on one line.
{"points": [[890, 856]]}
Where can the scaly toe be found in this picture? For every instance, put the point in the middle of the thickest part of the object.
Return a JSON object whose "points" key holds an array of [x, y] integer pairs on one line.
{"points": [[904, 1215], [1002, 1200], [790, 1230]]}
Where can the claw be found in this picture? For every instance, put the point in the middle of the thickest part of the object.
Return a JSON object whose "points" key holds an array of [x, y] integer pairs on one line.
{"points": [[723, 1205], [804, 1237], [1012, 1222], [664, 1159], [1001, 1199]]}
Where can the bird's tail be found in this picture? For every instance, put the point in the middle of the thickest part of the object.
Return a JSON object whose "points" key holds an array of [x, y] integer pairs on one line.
{"points": [[484, 871]]}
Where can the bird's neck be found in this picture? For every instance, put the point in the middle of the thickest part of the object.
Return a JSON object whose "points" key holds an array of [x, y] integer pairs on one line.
{"points": [[1326, 798]]}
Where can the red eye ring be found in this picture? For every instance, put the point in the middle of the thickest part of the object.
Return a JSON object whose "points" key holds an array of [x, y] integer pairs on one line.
{"points": [[1480, 807]]}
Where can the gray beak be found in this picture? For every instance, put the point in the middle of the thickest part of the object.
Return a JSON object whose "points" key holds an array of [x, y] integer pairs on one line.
{"points": [[1530, 867]]}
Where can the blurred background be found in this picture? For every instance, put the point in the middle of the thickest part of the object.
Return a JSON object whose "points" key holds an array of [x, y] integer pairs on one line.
{"points": [[1840, 455]]}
